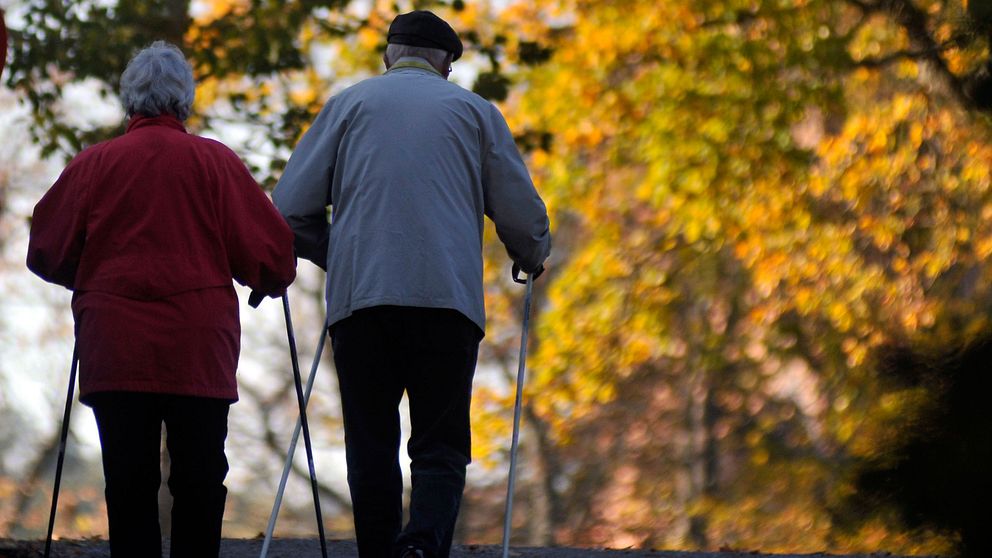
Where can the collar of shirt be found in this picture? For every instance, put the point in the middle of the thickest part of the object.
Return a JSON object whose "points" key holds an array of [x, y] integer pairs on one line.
{"points": [[413, 62], [140, 121]]}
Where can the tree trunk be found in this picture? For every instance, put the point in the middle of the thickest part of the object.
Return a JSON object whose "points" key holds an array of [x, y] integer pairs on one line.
{"points": [[539, 527], [704, 454], [27, 496], [699, 467], [179, 20]]}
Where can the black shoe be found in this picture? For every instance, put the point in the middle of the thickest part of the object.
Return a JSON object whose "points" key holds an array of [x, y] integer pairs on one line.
{"points": [[411, 552]]}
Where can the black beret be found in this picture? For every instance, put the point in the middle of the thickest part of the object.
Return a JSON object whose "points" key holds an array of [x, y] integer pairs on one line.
{"points": [[424, 29]]}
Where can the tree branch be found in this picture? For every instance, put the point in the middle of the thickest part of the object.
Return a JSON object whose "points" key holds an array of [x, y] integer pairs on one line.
{"points": [[865, 7], [914, 21], [893, 57], [272, 442], [30, 484]]}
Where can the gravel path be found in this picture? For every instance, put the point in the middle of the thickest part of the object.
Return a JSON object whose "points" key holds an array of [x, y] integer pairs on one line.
{"points": [[310, 548]]}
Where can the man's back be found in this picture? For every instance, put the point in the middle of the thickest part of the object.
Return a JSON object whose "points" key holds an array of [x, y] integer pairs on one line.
{"points": [[413, 162]]}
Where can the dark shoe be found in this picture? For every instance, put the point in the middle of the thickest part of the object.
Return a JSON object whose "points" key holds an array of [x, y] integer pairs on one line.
{"points": [[411, 552]]}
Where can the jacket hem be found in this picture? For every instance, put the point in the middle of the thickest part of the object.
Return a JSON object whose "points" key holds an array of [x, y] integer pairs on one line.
{"points": [[335, 315], [146, 387]]}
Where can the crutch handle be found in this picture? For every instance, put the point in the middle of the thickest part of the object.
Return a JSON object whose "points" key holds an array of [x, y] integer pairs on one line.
{"points": [[255, 298], [515, 273]]}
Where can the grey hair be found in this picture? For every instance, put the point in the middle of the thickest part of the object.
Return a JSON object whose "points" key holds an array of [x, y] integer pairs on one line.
{"points": [[158, 80], [437, 57]]}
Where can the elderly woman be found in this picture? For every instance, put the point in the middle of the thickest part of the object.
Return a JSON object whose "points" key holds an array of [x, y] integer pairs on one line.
{"points": [[148, 230]]}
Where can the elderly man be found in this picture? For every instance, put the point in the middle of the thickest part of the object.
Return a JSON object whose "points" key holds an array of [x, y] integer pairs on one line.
{"points": [[148, 230], [410, 164]]}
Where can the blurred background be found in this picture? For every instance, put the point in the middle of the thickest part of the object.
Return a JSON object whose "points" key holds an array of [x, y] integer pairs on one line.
{"points": [[752, 201]]}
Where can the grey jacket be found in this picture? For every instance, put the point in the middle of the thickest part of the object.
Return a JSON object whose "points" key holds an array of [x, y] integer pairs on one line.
{"points": [[409, 163]]}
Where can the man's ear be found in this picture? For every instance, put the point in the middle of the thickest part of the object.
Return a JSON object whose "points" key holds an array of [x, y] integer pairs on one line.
{"points": [[446, 70]]}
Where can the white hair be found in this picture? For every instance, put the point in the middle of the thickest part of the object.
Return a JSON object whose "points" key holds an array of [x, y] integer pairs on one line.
{"points": [[158, 80], [437, 57]]}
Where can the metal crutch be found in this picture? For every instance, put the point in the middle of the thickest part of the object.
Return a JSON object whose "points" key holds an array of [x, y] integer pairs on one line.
{"points": [[62, 443], [292, 445], [521, 367], [303, 422]]}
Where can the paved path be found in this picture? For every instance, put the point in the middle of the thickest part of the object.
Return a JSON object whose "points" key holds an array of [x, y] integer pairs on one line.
{"points": [[310, 548]]}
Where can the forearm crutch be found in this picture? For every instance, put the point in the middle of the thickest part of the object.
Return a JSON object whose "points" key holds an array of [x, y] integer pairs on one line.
{"points": [[517, 406], [63, 439], [301, 400], [292, 446]]}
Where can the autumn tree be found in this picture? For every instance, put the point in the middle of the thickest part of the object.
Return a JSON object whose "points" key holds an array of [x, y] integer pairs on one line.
{"points": [[751, 196]]}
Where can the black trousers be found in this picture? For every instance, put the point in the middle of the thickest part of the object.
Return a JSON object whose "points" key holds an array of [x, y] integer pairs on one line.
{"points": [[130, 426], [431, 354]]}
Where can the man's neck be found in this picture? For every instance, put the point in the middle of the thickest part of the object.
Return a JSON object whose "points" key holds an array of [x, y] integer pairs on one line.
{"points": [[414, 62]]}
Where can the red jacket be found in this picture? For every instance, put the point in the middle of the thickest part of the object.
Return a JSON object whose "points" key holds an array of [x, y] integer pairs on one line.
{"points": [[148, 230]]}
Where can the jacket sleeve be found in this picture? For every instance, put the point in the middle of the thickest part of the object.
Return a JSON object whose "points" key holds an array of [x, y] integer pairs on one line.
{"points": [[58, 229], [304, 189], [511, 200], [258, 241]]}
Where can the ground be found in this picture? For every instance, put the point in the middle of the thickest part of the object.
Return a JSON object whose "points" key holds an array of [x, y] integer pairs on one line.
{"points": [[310, 548]]}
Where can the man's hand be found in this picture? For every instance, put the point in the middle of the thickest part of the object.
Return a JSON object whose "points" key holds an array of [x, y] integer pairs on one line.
{"points": [[515, 273]]}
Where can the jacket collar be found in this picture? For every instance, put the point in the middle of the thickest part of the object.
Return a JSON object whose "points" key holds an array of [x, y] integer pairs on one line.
{"points": [[167, 120], [413, 62]]}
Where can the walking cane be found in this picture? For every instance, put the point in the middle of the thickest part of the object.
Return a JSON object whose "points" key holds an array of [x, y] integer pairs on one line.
{"points": [[521, 366], [254, 300], [62, 443], [292, 445]]}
